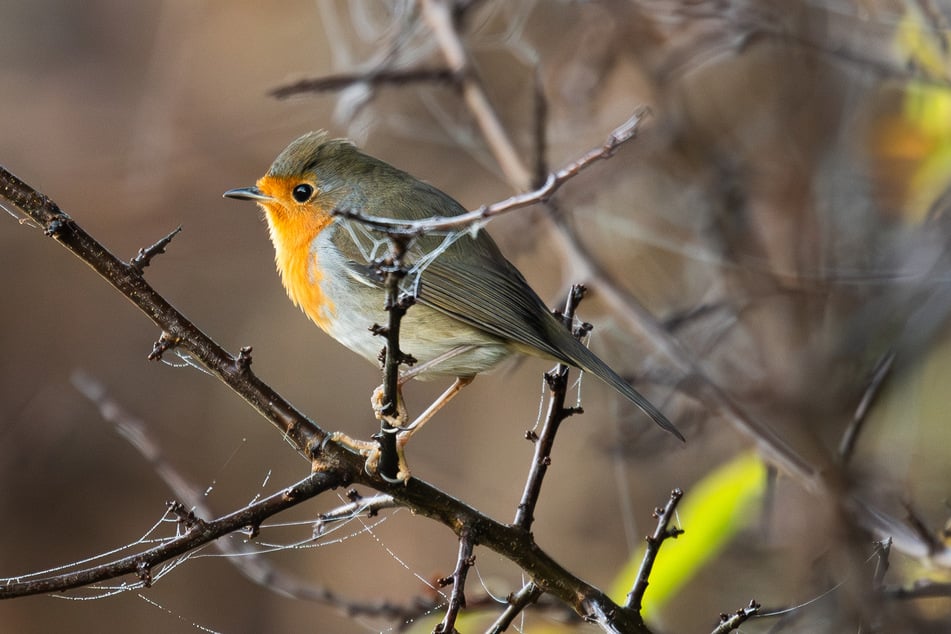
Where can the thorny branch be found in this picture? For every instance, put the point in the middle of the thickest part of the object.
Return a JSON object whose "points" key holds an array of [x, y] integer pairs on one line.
{"points": [[397, 304], [457, 599], [730, 622], [557, 381], [654, 541], [144, 257], [529, 594]]}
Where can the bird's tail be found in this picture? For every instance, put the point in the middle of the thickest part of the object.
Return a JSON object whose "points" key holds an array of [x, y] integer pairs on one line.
{"points": [[581, 357]]}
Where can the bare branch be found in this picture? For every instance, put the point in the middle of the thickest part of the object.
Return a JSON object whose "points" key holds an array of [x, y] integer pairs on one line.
{"points": [[851, 435], [457, 600], [528, 595], [396, 305], [144, 257], [557, 381], [730, 622], [379, 77], [654, 541]]}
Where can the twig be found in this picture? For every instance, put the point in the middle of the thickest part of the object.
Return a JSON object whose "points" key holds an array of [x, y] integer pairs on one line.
{"points": [[396, 305], [195, 535], [850, 437], [654, 541], [517, 603], [379, 77], [144, 257], [358, 505], [730, 622], [557, 381], [540, 121], [457, 599]]}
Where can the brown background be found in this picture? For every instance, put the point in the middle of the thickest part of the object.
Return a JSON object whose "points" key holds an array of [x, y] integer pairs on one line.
{"points": [[135, 117]]}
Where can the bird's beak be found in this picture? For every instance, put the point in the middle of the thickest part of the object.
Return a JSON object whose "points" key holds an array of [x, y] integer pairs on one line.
{"points": [[247, 193]]}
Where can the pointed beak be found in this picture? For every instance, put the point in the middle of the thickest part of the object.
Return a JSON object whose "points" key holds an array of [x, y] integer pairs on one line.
{"points": [[247, 193]]}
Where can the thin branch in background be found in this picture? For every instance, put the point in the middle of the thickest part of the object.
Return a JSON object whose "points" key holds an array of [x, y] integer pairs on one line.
{"points": [[730, 622], [144, 257], [517, 602], [540, 125], [557, 381], [379, 77], [438, 14], [850, 436], [457, 599], [654, 541]]}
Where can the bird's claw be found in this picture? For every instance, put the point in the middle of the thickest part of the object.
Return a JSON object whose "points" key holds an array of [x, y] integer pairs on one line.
{"points": [[371, 451]]}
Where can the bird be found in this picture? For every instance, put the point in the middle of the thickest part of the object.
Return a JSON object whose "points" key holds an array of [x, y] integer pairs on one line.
{"points": [[473, 308]]}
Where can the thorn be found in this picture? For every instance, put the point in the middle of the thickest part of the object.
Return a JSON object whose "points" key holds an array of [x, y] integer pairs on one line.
{"points": [[165, 343], [243, 361], [144, 257]]}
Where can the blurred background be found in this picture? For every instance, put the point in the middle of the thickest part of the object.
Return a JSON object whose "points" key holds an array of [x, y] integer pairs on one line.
{"points": [[782, 217]]}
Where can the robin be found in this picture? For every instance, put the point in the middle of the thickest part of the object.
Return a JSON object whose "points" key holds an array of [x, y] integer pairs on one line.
{"points": [[473, 307]]}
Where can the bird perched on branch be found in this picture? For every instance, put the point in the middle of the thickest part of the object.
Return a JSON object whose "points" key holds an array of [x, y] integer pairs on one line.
{"points": [[473, 307]]}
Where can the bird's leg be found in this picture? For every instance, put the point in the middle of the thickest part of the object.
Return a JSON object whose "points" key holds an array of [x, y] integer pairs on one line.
{"points": [[407, 432], [371, 449]]}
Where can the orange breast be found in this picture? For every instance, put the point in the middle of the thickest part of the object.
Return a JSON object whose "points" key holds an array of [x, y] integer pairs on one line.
{"points": [[293, 229]]}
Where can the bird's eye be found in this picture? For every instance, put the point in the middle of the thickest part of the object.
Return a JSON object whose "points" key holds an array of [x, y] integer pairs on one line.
{"points": [[303, 192]]}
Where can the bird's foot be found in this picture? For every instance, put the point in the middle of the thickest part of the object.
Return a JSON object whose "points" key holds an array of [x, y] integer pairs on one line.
{"points": [[370, 449], [396, 420]]}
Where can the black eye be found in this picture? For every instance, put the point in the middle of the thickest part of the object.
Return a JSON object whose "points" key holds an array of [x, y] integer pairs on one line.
{"points": [[303, 192]]}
